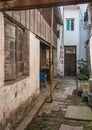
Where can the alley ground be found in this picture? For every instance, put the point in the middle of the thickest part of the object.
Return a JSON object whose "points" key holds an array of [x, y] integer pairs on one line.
{"points": [[51, 115]]}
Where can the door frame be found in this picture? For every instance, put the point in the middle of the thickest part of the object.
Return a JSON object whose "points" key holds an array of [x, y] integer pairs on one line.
{"points": [[75, 58]]}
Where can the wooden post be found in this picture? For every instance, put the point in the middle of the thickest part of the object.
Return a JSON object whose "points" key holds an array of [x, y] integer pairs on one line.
{"points": [[51, 51]]}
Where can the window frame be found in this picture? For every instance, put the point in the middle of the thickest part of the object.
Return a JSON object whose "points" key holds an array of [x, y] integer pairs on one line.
{"points": [[69, 23], [16, 51]]}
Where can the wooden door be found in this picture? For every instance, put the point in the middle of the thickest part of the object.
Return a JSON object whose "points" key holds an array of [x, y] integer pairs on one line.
{"points": [[70, 61]]}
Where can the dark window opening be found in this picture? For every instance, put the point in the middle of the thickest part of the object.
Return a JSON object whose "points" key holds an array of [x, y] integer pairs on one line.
{"points": [[58, 34]]}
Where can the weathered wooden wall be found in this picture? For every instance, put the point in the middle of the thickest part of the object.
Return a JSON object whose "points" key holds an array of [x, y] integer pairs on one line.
{"points": [[37, 20]]}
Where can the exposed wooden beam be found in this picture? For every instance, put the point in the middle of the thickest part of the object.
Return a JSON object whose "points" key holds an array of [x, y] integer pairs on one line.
{"points": [[31, 4], [5, 0]]}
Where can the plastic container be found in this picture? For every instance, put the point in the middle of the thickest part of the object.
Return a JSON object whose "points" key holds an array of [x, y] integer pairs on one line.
{"points": [[42, 77]]}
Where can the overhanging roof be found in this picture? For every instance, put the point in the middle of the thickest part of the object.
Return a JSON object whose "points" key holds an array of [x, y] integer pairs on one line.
{"points": [[31, 4]]}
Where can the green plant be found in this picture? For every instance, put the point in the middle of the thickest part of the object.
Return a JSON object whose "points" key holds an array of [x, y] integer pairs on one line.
{"points": [[83, 77], [83, 69], [84, 85]]}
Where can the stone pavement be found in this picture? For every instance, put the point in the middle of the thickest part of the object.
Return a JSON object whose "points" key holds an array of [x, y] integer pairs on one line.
{"points": [[79, 113], [38, 104], [67, 127], [52, 115]]}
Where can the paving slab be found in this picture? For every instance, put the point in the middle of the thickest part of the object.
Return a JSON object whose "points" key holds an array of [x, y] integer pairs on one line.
{"points": [[67, 127], [79, 113]]}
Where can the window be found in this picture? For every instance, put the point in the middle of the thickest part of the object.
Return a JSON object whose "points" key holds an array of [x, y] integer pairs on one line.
{"points": [[70, 24], [13, 51], [58, 34]]}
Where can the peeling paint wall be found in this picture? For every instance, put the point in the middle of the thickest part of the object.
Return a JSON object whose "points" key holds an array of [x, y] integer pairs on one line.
{"points": [[16, 95], [1, 50], [60, 52]]}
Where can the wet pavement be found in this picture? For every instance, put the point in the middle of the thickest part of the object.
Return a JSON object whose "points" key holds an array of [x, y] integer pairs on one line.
{"points": [[52, 115]]}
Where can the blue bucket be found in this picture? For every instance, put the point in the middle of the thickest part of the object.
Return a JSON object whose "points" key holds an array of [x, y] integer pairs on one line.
{"points": [[42, 77]]}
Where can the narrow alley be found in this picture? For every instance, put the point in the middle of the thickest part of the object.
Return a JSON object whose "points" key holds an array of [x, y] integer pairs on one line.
{"points": [[46, 65], [52, 115]]}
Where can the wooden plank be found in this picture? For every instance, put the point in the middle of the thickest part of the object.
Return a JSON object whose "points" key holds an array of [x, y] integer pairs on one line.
{"points": [[31, 20], [23, 18], [10, 13], [36, 21], [49, 34], [27, 19], [42, 27], [39, 23], [31, 4], [46, 32], [16, 15]]}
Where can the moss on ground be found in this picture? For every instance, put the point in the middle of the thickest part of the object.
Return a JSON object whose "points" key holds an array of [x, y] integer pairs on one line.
{"points": [[53, 120]]}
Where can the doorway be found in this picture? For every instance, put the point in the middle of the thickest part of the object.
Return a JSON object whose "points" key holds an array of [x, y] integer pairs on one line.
{"points": [[70, 60]]}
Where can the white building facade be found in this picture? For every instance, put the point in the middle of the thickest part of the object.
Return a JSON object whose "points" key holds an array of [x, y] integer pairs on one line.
{"points": [[60, 51], [74, 38]]}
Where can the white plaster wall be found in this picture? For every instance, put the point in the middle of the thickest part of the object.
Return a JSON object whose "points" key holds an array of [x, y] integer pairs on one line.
{"points": [[71, 37], [80, 35], [84, 33], [24, 88], [1, 50], [90, 47], [60, 53]]}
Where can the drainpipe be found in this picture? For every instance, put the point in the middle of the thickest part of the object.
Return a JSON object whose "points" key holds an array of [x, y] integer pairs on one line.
{"points": [[51, 51]]}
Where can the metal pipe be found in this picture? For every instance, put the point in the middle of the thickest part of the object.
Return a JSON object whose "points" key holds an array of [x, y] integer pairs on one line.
{"points": [[51, 51]]}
